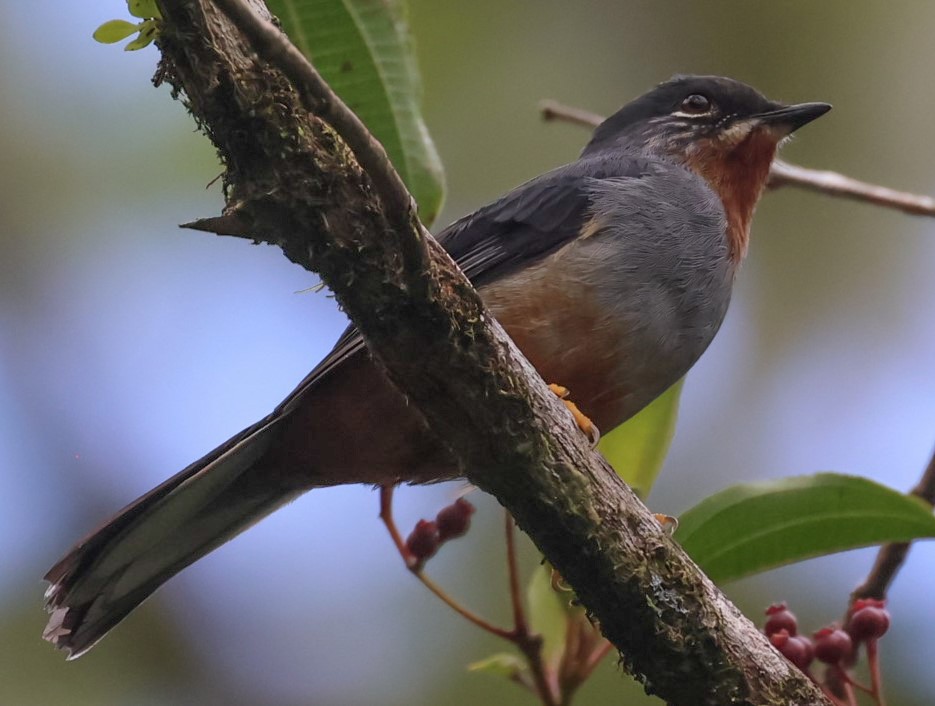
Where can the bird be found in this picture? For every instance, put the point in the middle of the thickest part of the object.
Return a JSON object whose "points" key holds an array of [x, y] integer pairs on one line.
{"points": [[612, 274]]}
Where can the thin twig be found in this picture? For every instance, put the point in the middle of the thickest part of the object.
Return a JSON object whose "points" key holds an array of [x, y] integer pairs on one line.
{"points": [[835, 184], [833, 698], [891, 556], [516, 597], [785, 174], [553, 110], [846, 678], [602, 650], [530, 644], [386, 514], [572, 658], [465, 613], [876, 679], [545, 688]]}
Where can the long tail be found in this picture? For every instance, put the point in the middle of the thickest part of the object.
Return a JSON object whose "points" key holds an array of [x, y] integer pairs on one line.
{"points": [[114, 569]]}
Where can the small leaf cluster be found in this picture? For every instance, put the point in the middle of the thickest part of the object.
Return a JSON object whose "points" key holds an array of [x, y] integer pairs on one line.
{"points": [[114, 31]]}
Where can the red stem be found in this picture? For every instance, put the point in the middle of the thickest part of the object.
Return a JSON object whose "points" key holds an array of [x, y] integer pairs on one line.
{"points": [[528, 643], [876, 680], [386, 514], [516, 598]]}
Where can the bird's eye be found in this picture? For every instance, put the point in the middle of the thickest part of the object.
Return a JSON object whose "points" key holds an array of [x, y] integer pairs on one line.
{"points": [[696, 103]]}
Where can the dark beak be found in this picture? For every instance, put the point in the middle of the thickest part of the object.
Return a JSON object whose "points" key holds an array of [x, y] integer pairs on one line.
{"points": [[792, 117]]}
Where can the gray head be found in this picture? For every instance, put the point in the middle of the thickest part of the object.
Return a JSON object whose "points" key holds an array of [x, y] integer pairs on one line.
{"points": [[689, 113]]}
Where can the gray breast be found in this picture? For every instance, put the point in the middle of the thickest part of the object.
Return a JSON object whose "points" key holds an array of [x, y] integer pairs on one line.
{"points": [[661, 268]]}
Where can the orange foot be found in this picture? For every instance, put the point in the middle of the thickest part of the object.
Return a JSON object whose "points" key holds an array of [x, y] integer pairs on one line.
{"points": [[584, 424], [668, 523]]}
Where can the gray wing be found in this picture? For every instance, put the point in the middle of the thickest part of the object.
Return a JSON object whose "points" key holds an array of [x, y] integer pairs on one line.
{"points": [[530, 222]]}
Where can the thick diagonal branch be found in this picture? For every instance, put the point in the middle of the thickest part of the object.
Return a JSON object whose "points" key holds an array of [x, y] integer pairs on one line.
{"points": [[292, 181]]}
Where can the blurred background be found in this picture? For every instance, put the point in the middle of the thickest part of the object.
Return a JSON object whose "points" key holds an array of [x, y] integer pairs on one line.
{"points": [[129, 347]]}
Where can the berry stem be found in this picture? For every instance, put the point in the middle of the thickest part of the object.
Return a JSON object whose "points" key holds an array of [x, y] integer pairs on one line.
{"points": [[386, 515], [834, 699], [542, 684], [519, 612], [851, 694], [848, 680], [601, 651], [585, 647], [415, 567], [876, 680], [465, 613], [530, 644]]}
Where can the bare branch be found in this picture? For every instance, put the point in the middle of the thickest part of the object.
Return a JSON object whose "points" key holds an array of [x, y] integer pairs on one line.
{"points": [[785, 174], [891, 556], [835, 184], [555, 111]]}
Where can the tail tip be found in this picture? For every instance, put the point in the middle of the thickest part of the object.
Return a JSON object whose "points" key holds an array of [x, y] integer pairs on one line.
{"points": [[60, 629], [55, 630]]}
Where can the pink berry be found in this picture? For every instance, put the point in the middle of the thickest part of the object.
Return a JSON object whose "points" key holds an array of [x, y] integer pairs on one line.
{"points": [[454, 520], [780, 618], [795, 648], [423, 542], [868, 623], [832, 645]]}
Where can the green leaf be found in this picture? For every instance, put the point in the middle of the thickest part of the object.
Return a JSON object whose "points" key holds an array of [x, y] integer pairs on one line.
{"points": [[144, 9], [363, 49], [147, 35], [549, 613], [114, 31], [638, 447], [502, 663], [747, 529]]}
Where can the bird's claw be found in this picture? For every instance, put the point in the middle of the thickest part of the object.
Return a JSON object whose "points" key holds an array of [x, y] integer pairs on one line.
{"points": [[584, 423], [668, 523]]}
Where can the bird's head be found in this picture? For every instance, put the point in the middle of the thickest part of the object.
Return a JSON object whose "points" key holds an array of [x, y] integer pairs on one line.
{"points": [[721, 129]]}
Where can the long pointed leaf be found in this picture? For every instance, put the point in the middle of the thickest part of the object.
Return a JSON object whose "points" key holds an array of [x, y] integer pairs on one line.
{"points": [[363, 48], [747, 529]]}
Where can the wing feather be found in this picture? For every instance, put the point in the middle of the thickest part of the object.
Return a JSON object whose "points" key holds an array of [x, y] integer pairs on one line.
{"points": [[532, 221]]}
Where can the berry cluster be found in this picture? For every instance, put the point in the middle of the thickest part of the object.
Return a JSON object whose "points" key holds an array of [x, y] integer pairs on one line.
{"points": [[428, 536], [835, 646]]}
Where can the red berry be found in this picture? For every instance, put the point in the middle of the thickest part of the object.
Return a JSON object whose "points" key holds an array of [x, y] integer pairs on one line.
{"points": [[454, 520], [832, 645], [424, 541], [780, 618], [795, 648], [868, 623]]}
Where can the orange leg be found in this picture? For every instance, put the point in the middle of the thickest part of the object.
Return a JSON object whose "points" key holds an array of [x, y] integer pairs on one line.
{"points": [[667, 522], [584, 424]]}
